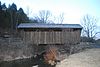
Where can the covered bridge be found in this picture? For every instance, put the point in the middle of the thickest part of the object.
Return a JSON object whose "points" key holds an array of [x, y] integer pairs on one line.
{"points": [[44, 34]]}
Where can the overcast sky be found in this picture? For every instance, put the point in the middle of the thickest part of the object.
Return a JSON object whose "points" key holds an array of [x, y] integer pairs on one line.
{"points": [[73, 9]]}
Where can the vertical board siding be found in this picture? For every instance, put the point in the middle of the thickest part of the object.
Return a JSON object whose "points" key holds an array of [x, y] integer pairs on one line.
{"points": [[51, 37]]}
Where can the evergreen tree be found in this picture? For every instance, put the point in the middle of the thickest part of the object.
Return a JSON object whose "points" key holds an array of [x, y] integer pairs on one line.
{"points": [[3, 7], [0, 6], [10, 17], [21, 16]]}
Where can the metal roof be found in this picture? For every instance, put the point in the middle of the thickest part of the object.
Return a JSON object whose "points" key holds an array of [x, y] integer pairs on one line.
{"points": [[39, 25]]}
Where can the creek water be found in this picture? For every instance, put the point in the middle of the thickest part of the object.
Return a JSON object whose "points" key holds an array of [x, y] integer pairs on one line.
{"points": [[26, 62]]}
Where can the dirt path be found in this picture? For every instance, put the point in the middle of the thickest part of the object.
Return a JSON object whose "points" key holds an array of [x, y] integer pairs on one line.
{"points": [[87, 58]]}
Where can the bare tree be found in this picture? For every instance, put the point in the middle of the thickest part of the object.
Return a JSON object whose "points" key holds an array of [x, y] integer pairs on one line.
{"points": [[44, 16], [89, 24], [61, 18]]}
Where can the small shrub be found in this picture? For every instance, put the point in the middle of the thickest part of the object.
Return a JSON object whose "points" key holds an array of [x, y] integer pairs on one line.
{"points": [[87, 39]]}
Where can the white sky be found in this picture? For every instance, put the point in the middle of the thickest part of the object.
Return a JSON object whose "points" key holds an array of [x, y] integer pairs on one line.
{"points": [[73, 9]]}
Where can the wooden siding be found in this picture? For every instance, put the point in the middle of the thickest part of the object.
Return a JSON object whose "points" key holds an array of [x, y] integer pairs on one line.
{"points": [[65, 36]]}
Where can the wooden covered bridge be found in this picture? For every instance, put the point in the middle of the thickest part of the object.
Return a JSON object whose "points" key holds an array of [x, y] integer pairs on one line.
{"points": [[50, 33]]}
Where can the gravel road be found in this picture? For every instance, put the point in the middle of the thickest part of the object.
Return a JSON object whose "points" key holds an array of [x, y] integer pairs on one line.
{"points": [[87, 58]]}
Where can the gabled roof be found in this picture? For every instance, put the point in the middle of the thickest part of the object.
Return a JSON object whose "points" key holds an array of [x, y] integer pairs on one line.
{"points": [[39, 25]]}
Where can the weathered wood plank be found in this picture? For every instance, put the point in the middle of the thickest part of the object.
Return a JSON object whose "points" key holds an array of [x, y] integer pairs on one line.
{"points": [[52, 37]]}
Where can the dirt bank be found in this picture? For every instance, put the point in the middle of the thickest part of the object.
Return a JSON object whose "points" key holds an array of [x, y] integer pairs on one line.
{"points": [[87, 58]]}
